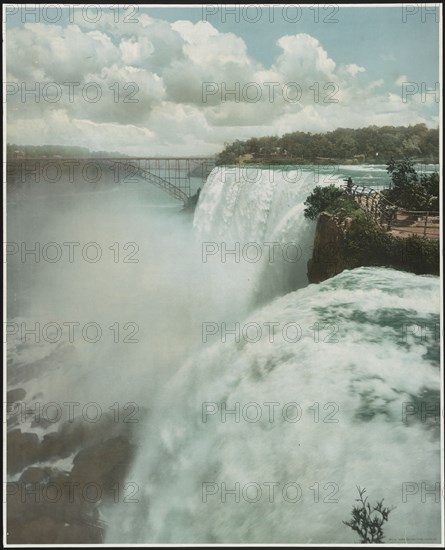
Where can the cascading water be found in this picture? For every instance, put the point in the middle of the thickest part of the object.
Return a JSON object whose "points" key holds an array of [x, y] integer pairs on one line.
{"points": [[263, 435], [255, 217]]}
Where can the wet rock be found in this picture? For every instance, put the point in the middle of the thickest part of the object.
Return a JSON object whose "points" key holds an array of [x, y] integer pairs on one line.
{"points": [[53, 446], [47, 530], [105, 464], [35, 474], [14, 405], [48, 506], [41, 422], [23, 450], [327, 258], [12, 421], [79, 434], [17, 394], [19, 374], [54, 506]]}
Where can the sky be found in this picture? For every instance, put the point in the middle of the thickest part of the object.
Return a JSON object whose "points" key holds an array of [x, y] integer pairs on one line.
{"points": [[186, 80]]}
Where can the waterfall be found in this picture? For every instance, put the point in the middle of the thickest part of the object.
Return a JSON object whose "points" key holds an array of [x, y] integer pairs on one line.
{"points": [[303, 393], [260, 214]]}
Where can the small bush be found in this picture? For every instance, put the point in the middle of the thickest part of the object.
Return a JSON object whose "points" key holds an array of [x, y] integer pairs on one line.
{"points": [[368, 520]]}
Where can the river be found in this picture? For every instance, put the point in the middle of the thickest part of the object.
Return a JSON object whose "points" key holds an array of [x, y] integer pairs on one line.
{"points": [[266, 400]]}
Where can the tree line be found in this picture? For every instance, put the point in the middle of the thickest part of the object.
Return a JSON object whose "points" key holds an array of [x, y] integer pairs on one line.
{"points": [[64, 151], [364, 145]]}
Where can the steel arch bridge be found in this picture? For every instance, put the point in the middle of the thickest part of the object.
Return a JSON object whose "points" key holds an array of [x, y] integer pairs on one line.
{"points": [[171, 174]]}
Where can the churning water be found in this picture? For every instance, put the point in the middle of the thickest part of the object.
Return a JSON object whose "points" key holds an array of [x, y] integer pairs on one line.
{"points": [[270, 400]]}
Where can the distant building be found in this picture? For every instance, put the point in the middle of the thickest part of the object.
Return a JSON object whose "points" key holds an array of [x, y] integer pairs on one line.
{"points": [[18, 154], [246, 157]]}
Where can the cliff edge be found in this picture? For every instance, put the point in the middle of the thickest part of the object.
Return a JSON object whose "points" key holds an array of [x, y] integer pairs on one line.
{"points": [[328, 256], [343, 241]]}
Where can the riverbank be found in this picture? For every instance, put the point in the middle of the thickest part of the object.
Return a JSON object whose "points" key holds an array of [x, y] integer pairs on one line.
{"points": [[322, 161]]}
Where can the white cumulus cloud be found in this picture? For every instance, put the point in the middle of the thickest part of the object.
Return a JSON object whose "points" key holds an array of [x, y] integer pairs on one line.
{"points": [[354, 69], [184, 87]]}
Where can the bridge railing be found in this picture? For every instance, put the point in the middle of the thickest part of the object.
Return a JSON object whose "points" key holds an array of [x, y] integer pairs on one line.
{"points": [[391, 217]]}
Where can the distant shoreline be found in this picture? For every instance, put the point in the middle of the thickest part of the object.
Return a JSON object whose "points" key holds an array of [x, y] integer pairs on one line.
{"points": [[322, 162]]}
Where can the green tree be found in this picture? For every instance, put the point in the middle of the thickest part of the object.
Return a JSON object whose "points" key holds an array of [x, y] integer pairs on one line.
{"points": [[377, 144], [411, 191], [430, 184], [327, 198]]}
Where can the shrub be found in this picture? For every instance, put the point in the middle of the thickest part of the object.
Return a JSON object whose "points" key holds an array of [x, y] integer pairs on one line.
{"points": [[368, 520], [367, 244], [328, 199]]}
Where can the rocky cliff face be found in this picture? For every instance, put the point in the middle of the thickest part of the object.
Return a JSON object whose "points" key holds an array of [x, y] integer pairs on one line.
{"points": [[342, 242], [328, 258]]}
